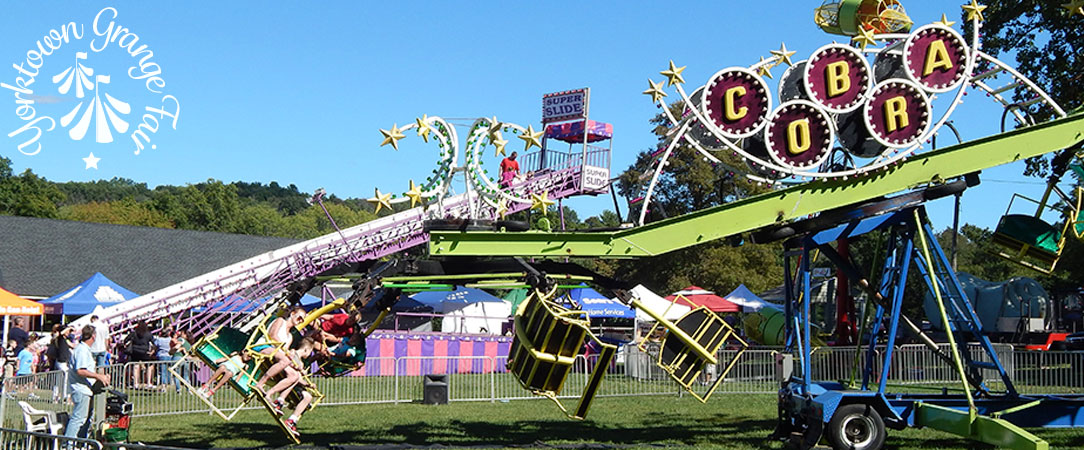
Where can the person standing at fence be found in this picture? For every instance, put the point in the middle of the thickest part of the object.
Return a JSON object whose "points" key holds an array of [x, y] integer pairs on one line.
{"points": [[101, 342], [18, 334], [80, 374], [140, 348], [162, 344]]}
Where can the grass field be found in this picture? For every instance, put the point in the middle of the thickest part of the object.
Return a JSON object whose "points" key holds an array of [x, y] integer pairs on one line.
{"points": [[726, 421]]}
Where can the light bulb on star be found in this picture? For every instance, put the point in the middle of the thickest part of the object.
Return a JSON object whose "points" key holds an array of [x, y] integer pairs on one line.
{"points": [[423, 127], [415, 194], [380, 200], [541, 202], [531, 138], [654, 90], [392, 136], [502, 208], [673, 74], [974, 11]]}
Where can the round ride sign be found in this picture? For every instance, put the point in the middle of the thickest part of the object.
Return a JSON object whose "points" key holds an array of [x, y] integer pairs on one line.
{"points": [[737, 102], [897, 113], [836, 76], [936, 58]]}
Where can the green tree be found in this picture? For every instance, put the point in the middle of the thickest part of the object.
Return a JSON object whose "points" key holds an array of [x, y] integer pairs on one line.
{"points": [[121, 212], [1046, 42], [27, 194]]}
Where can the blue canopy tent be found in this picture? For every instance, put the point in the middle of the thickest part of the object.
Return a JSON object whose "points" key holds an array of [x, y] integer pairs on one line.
{"points": [[448, 301], [597, 305], [84, 297]]}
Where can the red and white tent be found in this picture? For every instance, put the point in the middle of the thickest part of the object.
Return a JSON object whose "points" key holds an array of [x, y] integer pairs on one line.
{"points": [[696, 296]]}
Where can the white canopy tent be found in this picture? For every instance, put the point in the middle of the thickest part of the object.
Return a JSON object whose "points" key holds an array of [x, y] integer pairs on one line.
{"points": [[657, 304]]}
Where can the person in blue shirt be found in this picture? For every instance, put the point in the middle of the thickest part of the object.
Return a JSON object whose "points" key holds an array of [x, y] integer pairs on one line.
{"points": [[25, 361], [162, 344], [80, 375]]}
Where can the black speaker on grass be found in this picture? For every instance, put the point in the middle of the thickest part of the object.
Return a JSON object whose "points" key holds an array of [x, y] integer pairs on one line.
{"points": [[435, 389]]}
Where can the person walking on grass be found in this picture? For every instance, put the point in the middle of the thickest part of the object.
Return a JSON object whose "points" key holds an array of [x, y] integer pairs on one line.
{"points": [[81, 378]]}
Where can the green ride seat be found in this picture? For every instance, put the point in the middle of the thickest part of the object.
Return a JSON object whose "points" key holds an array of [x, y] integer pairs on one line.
{"points": [[220, 345], [1042, 239]]}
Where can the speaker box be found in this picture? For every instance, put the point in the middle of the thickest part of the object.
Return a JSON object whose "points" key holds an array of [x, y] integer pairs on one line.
{"points": [[435, 389]]}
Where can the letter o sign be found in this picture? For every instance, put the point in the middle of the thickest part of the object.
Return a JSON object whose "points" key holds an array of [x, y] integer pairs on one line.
{"points": [[799, 135]]}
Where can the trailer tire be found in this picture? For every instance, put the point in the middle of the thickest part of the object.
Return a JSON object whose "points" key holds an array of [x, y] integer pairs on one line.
{"points": [[857, 427]]}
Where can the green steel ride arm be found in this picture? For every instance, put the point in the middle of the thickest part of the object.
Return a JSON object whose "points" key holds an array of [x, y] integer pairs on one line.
{"points": [[770, 208]]}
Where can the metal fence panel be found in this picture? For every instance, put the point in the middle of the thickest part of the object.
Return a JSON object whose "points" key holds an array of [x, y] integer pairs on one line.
{"points": [[153, 391]]}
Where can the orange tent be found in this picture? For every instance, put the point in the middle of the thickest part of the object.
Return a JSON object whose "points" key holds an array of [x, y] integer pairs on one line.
{"points": [[13, 305]]}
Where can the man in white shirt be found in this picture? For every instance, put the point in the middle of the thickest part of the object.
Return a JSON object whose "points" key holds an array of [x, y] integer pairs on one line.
{"points": [[100, 348], [80, 373]]}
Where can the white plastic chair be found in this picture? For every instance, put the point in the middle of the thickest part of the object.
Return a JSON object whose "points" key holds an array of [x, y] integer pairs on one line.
{"points": [[33, 418]]}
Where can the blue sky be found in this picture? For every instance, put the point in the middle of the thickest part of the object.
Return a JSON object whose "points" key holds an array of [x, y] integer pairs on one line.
{"points": [[296, 93]]}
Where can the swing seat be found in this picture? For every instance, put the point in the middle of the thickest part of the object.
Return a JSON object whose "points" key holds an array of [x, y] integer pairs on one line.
{"points": [[548, 338], [1027, 236], [682, 360], [221, 344]]}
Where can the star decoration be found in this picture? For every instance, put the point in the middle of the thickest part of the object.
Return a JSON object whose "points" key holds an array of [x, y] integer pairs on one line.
{"points": [[423, 127], [541, 202], [392, 137], [864, 38], [494, 128], [783, 55], [1074, 7], [654, 90], [673, 74], [974, 11], [415, 194], [944, 21], [765, 70], [380, 201], [92, 161], [531, 138], [498, 145], [502, 208]]}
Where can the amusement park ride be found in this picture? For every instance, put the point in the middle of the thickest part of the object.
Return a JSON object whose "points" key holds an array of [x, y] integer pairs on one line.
{"points": [[846, 152]]}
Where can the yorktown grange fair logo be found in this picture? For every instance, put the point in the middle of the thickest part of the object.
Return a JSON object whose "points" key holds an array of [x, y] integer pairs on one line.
{"points": [[54, 93]]}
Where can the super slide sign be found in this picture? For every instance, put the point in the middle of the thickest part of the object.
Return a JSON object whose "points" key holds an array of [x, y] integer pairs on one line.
{"points": [[567, 105]]}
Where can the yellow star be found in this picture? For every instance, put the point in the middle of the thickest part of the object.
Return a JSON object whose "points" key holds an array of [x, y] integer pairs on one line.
{"points": [[765, 70], [655, 90], [531, 138], [974, 10], [380, 200], [944, 21], [782, 54], [494, 128], [415, 194], [865, 37], [673, 74], [1074, 7], [423, 127], [498, 145], [392, 137], [502, 208], [541, 202]]}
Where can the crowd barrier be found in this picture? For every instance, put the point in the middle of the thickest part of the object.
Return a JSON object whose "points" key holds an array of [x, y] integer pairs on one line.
{"points": [[483, 378], [14, 439]]}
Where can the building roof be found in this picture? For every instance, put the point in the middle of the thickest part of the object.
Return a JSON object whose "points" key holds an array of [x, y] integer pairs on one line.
{"points": [[42, 257]]}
